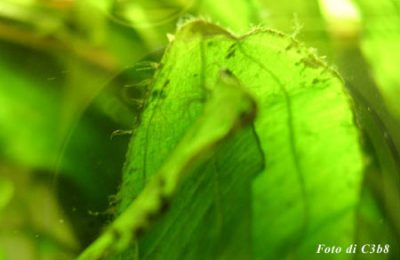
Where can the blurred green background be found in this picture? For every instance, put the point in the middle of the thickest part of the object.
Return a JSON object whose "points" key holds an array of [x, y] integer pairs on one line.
{"points": [[71, 74]]}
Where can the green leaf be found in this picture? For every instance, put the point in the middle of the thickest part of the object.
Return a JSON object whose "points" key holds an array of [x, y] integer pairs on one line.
{"points": [[211, 215], [208, 133], [308, 192]]}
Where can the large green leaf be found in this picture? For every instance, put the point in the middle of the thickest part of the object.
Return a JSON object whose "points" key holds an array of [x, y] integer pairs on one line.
{"points": [[308, 192]]}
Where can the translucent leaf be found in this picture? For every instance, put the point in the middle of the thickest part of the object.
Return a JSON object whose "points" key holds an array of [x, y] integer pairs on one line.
{"points": [[308, 191]]}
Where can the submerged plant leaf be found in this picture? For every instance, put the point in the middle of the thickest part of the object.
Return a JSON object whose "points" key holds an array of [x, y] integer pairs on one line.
{"points": [[309, 189], [207, 134]]}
